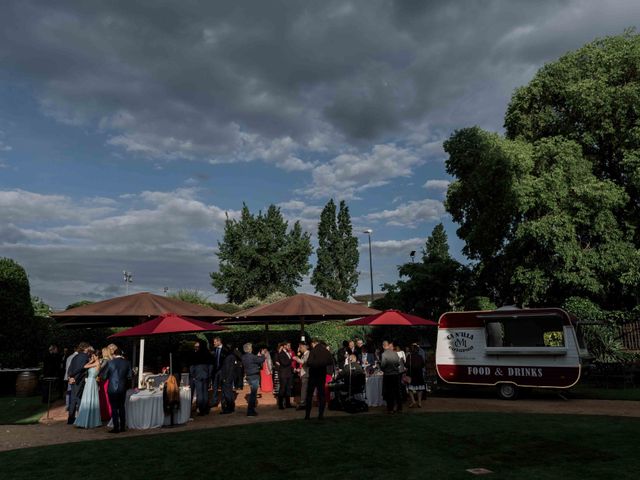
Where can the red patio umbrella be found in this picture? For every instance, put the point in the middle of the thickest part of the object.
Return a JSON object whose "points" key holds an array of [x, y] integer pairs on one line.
{"points": [[168, 323], [392, 317], [162, 325]]}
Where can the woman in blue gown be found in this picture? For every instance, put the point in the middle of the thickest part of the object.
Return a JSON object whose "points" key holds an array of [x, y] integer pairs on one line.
{"points": [[89, 412]]}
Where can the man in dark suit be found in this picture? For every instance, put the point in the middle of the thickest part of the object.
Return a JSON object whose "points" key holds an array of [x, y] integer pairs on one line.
{"points": [[285, 374], [118, 372], [200, 372], [228, 380], [219, 353], [319, 359], [77, 374]]}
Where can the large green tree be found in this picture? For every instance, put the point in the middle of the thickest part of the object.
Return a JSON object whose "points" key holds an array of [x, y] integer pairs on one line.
{"points": [[260, 255], [324, 277], [335, 274], [551, 210]]}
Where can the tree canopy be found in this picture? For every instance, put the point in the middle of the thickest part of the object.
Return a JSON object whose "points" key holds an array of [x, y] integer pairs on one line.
{"points": [[335, 274], [590, 96], [550, 211], [260, 255]]}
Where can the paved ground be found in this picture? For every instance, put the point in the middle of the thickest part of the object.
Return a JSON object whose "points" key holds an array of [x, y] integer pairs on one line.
{"points": [[57, 431]]}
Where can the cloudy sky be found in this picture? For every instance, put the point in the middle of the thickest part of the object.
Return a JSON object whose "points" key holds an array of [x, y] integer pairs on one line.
{"points": [[129, 130]]}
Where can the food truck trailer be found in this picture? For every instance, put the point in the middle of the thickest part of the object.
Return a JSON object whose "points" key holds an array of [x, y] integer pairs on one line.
{"points": [[510, 348]]}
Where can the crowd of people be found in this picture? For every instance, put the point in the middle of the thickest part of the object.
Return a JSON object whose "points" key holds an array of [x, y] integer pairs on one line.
{"points": [[96, 381], [224, 369], [310, 369]]}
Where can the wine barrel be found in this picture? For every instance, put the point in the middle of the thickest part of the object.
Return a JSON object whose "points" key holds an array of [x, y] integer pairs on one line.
{"points": [[26, 384]]}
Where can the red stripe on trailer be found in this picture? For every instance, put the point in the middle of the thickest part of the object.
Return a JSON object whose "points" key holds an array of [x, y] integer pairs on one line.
{"points": [[530, 376]]}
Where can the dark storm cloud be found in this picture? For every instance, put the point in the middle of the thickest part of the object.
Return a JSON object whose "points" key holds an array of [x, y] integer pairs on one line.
{"points": [[359, 94], [223, 80]]}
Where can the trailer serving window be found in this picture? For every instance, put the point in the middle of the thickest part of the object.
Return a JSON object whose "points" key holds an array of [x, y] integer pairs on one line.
{"points": [[525, 331]]}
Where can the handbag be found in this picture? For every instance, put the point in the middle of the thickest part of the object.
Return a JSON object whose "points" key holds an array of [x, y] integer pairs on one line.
{"points": [[406, 379], [401, 366]]}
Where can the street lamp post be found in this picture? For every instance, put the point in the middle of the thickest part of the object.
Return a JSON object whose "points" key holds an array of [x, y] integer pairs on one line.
{"points": [[368, 231], [128, 278]]}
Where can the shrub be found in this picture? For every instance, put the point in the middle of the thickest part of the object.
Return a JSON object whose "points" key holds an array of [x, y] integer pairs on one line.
{"points": [[18, 329], [600, 329]]}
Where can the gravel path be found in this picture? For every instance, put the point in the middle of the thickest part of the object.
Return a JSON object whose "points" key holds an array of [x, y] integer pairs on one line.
{"points": [[56, 431]]}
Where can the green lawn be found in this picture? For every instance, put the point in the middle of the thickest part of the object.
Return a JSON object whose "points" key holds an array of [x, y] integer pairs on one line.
{"points": [[580, 391], [21, 411], [587, 391], [426, 446]]}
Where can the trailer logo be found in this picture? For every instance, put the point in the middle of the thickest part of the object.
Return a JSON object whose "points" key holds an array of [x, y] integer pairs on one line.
{"points": [[460, 341]]}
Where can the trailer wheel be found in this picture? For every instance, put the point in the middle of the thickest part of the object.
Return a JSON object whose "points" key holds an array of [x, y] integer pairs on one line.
{"points": [[507, 391]]}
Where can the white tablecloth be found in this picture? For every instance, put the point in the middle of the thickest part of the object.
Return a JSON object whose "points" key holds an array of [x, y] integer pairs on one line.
{"points": [[145, 409], [374, 391]]}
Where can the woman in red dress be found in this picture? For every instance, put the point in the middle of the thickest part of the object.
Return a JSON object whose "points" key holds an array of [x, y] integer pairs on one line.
{"points": [[266, 380], [105, 407]]}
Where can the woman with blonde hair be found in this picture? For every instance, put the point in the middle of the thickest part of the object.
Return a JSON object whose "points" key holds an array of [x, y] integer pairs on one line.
{"points": [[171, 397], [105, 406]]}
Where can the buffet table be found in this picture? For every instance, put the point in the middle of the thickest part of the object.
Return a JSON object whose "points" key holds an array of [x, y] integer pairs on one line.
{"points": [[374, 391], [145, 410]]}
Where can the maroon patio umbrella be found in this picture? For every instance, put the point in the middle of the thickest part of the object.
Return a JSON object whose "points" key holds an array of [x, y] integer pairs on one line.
{"points": [[162, 325], [392, 317], [298, 308], [131, 310]]}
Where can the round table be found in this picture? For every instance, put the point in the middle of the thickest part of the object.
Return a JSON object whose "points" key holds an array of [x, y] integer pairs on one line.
{"points": [[374, 391], [144, 409]]}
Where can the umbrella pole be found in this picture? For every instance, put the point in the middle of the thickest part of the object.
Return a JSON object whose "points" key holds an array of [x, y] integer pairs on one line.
{"points": [[141, 363], [134, 359], [170, 363], [302, 339], [266, 334]]}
